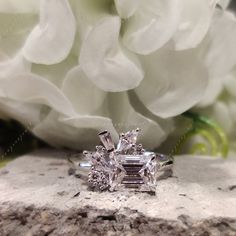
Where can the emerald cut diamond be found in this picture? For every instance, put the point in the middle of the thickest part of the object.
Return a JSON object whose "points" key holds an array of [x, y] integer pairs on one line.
{"points": [[135, 172]]}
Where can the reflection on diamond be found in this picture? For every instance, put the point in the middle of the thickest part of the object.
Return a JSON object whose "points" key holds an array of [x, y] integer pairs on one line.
{"points": [[135, 171]]}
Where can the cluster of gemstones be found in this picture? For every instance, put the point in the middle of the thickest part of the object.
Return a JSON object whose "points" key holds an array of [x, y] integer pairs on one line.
{"points": [[98, 177], [127, 165], [104, 161]]}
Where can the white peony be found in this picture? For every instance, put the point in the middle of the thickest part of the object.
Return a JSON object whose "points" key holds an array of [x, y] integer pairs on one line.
{"points": [[219, 101], [223, 107], [69, 69]]}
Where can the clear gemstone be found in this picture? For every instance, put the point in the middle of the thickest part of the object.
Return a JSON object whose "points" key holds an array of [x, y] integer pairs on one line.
{"points": [[127, 141], [135, 172], [106, 140], [132, 136], [123, 145]]}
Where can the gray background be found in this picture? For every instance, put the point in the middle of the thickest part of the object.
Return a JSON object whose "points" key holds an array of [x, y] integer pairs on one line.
{"points": [[233, 4]]}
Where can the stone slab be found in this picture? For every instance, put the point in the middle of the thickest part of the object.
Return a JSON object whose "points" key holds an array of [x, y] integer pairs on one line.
{"points": [[202, 188]]}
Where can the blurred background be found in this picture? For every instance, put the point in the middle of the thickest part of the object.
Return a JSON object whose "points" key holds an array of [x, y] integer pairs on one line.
{"points": [[16, 139], [233, 5]]}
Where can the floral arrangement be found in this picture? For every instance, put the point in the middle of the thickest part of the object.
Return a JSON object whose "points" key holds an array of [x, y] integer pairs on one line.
{"points": [[71, 68]]}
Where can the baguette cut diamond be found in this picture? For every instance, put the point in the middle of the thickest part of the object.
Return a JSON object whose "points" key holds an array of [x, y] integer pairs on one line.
{"points": [[126, 166]]}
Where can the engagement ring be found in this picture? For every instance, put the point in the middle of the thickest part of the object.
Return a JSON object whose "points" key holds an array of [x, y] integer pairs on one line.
{"points": [[125, 166]]}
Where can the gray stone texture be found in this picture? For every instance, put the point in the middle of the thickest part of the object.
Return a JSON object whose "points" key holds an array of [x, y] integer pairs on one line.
{"points": [[38, 197]]}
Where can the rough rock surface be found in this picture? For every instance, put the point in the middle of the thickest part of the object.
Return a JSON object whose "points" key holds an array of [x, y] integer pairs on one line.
{"points": [[38, 197]]}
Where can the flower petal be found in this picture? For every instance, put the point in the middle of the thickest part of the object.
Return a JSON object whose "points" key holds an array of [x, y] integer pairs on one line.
{"points": [[195, 21], [75, 132], [152, 25], [82, 93], [14, 29], [175, 81], [27, 114], [230, 84], [222, 115], [14, 66], [214, 89], [31, 88], [224, 3], [115, 106], [124, 118], [127, 8], [88, 13], [105, 62], [22, 6], [221, 53], [232, 110], [55, 73], [52, 39]]}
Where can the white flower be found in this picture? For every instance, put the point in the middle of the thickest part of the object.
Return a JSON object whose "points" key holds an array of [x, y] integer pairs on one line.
{"points": [[71, 69], [219, 101], [218, 52], [223, 109]]}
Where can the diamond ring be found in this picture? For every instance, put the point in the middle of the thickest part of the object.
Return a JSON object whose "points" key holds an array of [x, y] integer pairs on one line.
{"points": [[126, 166]]}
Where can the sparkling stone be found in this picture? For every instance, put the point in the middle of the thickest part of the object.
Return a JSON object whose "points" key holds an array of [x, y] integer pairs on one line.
{"points": [[106, 140], [136, 172], [127, 141], [132, 136], [123, 145]]}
